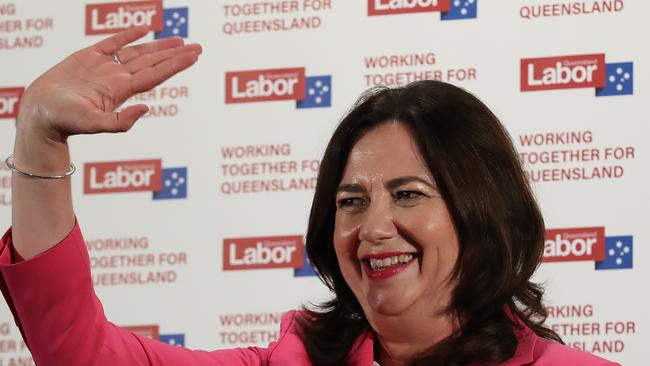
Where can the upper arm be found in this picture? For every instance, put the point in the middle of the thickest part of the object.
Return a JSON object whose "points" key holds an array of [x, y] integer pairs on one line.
{"points": [[62, 321]]}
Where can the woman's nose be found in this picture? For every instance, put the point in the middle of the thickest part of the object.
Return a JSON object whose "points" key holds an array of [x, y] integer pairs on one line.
{"points": [[378, 223]]}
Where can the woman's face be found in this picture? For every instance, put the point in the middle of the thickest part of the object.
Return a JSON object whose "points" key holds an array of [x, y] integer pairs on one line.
{"points": [[394, 239]]}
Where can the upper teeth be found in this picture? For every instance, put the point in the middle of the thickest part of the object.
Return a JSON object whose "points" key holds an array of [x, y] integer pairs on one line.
{"points": [[376, 264]]}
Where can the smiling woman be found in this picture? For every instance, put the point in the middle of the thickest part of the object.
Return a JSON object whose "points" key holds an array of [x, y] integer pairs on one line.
{"points": [[425, 228]]}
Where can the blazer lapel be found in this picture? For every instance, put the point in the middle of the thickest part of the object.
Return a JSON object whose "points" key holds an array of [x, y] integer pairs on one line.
{"points": [[362, 351]]}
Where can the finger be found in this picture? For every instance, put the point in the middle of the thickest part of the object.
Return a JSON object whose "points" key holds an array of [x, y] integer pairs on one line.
{"points": [[127, 54], [152, 76], [153, 59], [111, 44], [121, 121]]}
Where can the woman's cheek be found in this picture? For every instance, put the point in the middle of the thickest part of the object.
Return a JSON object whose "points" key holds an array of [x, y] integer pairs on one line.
{"points": [[346, 230], [346, 239]]}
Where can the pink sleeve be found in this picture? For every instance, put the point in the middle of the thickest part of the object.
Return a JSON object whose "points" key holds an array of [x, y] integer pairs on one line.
{"points": [[62, 321]]}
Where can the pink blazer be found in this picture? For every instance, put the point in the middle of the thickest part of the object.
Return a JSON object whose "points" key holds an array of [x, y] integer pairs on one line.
{"points": [[62, 322]]}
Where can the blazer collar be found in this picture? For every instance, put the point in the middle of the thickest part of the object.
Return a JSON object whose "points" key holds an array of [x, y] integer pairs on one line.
{"points": [[363, 350], [526, 340]]}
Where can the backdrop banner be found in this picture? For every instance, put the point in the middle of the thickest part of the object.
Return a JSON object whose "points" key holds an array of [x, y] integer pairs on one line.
{"points": [[195, 219]]}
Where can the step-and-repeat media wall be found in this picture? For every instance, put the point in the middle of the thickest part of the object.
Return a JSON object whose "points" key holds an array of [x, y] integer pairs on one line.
{"points": [[232, 149]]}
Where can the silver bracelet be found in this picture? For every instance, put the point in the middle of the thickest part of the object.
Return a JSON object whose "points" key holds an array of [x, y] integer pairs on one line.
{"points": [[10, 164]]}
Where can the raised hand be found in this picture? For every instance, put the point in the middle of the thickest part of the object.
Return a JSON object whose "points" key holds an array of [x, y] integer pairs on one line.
{"points": [[80, 94]]}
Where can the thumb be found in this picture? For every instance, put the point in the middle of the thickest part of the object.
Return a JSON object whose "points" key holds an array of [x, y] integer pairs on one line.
{"points": [[121, 121]]}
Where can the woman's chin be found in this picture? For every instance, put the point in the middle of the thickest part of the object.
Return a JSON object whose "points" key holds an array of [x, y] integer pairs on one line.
{"points": [[385, 303]]}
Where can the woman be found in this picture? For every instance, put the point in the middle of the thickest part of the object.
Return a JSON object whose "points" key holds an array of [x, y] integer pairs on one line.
{"points": [[422, 225]]}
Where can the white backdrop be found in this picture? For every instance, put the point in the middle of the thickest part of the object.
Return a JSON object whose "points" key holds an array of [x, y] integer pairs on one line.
{"points": [[232, 175]]}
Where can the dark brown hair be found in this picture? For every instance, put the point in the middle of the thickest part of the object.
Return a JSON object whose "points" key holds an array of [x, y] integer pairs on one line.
{"points": [[500, 228]]}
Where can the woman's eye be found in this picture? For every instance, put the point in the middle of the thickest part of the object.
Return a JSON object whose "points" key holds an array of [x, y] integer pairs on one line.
{"points": [[406, 197], [351, 203]]}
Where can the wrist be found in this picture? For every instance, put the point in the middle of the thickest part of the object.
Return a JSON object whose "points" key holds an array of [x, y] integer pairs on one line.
{"points": [[35, 152], [32, 122]]}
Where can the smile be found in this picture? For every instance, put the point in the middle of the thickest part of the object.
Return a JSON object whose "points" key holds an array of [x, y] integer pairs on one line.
{"points": [[382, 264], [386, 265]]}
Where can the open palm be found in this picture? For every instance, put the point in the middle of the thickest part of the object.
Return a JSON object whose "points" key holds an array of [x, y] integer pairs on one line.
{"points": [[80, 94]]}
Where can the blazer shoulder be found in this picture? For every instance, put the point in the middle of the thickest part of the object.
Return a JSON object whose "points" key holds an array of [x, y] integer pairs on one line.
{"points": [[552, 353], [289, 348], [290, 321]]}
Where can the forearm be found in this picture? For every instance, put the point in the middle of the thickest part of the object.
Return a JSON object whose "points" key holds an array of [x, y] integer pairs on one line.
{"points": [[42, 213]]}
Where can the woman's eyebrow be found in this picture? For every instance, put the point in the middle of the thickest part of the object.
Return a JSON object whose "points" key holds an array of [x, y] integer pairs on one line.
{"points": [[391, 184], [351, 188], [400, 181]]}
